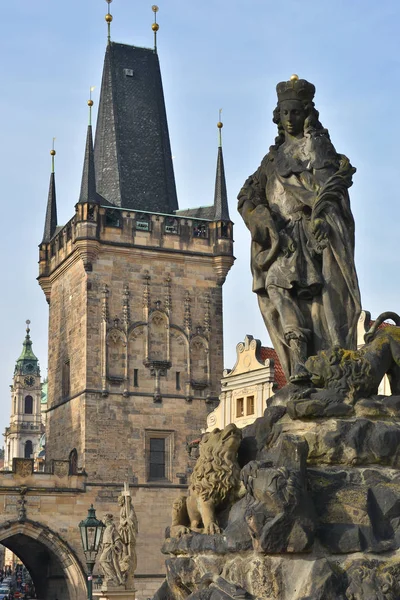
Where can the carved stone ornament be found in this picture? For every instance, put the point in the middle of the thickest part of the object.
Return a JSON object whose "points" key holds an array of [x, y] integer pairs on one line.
{"points": [[209, 494], [23, 467], [21, 504]]}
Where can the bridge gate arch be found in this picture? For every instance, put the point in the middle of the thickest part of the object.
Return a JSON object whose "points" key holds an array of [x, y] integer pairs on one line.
{"points": [[56, 571]]}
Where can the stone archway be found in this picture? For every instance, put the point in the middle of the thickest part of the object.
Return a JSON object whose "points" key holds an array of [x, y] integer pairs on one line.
{"points": [[54, 568]]}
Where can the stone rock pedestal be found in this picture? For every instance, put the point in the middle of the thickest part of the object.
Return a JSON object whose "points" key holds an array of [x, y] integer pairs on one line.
{"points": [[320, 519]]}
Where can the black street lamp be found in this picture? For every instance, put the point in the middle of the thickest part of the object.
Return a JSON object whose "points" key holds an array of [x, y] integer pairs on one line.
{"points": [[91, 533]]}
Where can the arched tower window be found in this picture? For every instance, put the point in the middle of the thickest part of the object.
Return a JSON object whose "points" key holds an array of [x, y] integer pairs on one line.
{"points": [[28, 407], [28, 449], [73, 462]]}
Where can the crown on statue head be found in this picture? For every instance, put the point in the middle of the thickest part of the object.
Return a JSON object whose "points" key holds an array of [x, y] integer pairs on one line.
{"points": [[295, 89]]}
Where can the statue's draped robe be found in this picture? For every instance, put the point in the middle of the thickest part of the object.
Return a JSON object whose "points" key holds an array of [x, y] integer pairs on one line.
{"points": [[295, 184]]}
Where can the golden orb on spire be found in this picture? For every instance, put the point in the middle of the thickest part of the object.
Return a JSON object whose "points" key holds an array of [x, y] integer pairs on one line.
{"points": [[108, 18], [154, 8], [90, 102], [52, 152], [220, 125], [155, 27], [294, 77]]}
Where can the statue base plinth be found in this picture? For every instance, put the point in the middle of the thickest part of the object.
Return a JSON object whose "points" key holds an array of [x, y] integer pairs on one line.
{"points": [[108, 592], [320, 517]]}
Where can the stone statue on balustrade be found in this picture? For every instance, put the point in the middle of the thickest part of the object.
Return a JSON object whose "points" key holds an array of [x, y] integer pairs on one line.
{"points": [[118, 559], [296, 206], [128, 530], [111, 553]]}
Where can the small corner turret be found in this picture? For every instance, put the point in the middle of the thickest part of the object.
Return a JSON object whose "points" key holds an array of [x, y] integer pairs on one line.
{"points": [[50, 224]]}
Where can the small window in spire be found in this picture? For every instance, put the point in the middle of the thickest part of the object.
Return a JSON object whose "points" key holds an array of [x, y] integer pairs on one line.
{"points": [[128, 72]]}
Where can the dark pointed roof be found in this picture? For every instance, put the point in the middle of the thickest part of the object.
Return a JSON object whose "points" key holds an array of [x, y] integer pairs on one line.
{"points": [[132, 151], [50, 224], [220, 196], [88, 185]]}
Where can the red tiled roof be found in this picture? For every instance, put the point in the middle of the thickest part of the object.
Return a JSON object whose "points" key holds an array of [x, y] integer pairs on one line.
{"points": [[279, 375]]}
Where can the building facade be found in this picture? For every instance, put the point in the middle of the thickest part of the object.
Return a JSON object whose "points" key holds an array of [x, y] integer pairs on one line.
{"points": [[256, 376]]}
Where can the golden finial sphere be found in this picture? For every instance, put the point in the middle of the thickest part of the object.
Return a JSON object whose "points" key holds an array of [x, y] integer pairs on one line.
{"points": [[108, 18], [155, 27], [52, 152], [154, 8], [294, 77], [90, 102], [220, 125]]}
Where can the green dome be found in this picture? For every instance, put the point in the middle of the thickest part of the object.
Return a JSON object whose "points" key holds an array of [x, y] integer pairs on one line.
{"points": [[27, 363]]}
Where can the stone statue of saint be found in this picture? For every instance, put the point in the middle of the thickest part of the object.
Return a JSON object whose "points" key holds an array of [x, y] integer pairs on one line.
{"points": [[111, 553], [128, 530], [297, 208]]}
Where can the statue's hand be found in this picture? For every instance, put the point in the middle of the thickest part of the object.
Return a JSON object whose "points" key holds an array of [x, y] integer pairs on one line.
{"points": [[321, 229]]}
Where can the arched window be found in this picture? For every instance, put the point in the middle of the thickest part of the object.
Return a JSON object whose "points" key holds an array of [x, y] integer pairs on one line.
{"points": [[73, 462], [28, 449], [28, 405]]}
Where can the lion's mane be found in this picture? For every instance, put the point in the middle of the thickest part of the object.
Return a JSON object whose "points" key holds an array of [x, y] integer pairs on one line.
{"points": [[217, 472]]}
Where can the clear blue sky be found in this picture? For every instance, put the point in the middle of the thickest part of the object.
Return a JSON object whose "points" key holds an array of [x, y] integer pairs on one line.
{"points": [[213, 54]]}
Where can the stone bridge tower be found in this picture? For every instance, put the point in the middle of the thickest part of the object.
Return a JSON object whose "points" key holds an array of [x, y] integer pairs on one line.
{"points": [[134, 287]]}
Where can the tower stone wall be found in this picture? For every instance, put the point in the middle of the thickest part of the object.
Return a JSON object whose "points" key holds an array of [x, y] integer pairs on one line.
{"points": [[135, 337]]}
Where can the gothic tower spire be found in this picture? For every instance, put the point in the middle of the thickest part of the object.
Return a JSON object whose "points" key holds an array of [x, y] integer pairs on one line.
{"points": [[50, 224], [88, 184], [220, 196]]}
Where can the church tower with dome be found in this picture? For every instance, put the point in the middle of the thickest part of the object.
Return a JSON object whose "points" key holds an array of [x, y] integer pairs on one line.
{"points": [[21, 438]]}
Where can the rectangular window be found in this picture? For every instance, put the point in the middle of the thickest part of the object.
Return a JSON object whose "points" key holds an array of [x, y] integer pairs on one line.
{"points": [[135, 377], [66, 377], [178, 380], [250, 405], [240, 407], [159, 451], [157, 458]]}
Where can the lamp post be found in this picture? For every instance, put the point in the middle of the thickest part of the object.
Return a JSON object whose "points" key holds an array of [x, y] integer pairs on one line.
{"points": [[91, 534]]}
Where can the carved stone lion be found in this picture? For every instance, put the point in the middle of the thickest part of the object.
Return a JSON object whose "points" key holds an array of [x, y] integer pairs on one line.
{"points": [[357, 374], [214, 485]]}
